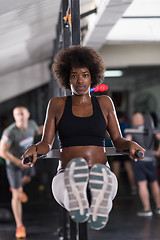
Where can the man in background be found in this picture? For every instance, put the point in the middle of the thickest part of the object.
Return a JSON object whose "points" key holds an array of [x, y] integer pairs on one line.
{"points": [[15, 140], [145, 170], [116, 164]]}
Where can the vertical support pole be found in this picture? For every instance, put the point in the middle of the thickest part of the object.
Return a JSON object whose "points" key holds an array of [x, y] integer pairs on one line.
{"points": [[66, 28], [73, 229], [83, 231], [75, 19], [39, 106], [65, 221]]}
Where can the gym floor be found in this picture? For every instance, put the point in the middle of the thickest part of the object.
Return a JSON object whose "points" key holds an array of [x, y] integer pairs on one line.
{"points": [[42, 217]]}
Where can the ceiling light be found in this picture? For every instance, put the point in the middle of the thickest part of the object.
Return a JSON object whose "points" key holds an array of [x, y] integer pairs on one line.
{"points": [[113, 73]]}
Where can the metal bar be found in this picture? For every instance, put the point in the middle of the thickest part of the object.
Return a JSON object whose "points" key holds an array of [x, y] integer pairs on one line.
{"points": [[110, 151], [75, 19], [134, 130], [56, 153], [63, 224], [66, 28], [138, 17], [155, 131], [73, 229], [140, 131], [65, 233], [83, 231], [83, 15]]}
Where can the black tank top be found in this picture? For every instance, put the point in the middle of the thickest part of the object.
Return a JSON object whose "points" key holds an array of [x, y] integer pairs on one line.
{"points": [[82, 131]]}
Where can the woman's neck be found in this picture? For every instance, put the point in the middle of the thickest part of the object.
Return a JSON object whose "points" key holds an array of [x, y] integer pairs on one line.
{"points": [[81, 99]]}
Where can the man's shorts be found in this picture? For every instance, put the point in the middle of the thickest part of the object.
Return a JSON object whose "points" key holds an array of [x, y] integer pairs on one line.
{"points": [[15, 174], [144, 170]]}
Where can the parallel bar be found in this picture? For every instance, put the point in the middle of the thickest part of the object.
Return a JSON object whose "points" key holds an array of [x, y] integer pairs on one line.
{"points": [[65, 221], [138, 17], [83, 235], [66, 28], [110, 151], [75, 19], [140, 131], [56, 153], [83, 15], [134, 130], [73, 230]]}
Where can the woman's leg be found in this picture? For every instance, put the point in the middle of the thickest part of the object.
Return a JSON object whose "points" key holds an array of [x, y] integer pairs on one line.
{"points": [[59, 190], [103, 187], [76, 202], [70, 189]]}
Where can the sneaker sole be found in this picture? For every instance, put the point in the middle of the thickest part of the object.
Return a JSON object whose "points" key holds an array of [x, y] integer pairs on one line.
{"points": [[144, 214], [76, 177], [24, 197], [157, 213], [100, 182], [21, 234]]}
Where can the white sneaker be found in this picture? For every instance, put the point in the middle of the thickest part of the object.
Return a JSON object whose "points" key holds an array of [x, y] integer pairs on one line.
{"points": [[157, 211], [144, 213], [100, 183], [76, 177]]}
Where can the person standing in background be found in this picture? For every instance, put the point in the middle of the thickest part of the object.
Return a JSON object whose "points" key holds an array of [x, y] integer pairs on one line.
{"points": [[145, 171], [123, 159], [16, 138]]}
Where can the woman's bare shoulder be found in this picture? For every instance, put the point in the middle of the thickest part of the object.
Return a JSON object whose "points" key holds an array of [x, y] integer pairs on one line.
{"points": [[57, 100], [104, 99], [56, 104]]}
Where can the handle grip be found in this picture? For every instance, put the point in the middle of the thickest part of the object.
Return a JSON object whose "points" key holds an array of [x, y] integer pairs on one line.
{"points": [[137, 154], [30, 158]]}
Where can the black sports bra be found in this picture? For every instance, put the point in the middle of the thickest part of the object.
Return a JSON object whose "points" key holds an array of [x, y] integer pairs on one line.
{"points": [[82, 131]]}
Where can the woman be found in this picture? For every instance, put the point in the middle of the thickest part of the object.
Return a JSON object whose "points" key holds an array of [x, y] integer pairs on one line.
{"points": [[81, 122]]}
